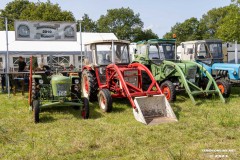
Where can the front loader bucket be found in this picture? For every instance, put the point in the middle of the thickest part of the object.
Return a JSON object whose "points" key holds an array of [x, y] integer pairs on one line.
{"points": [[153, 110]]}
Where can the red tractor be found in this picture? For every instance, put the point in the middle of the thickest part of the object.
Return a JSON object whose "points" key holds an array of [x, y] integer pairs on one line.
{"points": [[108, 74]]}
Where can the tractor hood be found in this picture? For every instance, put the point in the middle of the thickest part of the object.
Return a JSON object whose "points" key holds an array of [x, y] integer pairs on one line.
{"points": [[185, 66], [188, 69], [232, 69], [61, 85]]}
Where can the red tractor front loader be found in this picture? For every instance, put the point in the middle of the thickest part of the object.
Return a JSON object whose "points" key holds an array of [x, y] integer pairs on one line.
{"points": [[108, 74]]}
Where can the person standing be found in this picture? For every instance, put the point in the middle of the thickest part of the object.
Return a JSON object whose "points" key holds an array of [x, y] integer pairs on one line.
{"points": [[21, 64]]}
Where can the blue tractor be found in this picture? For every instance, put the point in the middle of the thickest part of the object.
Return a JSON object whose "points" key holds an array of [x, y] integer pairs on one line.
{"points": [[209, 54]]}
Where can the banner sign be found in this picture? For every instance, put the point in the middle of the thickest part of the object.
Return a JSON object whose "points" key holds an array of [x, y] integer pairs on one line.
{"points": [[45, 31]]}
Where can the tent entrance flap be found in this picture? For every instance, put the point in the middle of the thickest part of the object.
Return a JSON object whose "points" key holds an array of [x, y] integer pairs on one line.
{"points": [[153, 110]]}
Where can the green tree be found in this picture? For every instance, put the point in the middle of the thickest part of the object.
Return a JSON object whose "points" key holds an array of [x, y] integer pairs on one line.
{"points": [[211, 21], [46, 12], [25, 10], [188, 30], [236, 1], [123, 22], [144, 35], [229, 30], [88, 25], [13, 11]]}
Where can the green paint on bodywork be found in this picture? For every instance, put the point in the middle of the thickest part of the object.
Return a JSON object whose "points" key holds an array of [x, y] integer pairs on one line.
{"points": [[182, 71], [60, 82]]}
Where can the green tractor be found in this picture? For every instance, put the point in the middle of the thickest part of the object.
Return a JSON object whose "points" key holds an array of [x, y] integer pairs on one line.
{"points": [[47, 90], [174, 75]]}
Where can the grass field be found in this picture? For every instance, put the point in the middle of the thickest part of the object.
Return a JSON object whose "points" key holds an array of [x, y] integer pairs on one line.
{"points": [[208, 129]]}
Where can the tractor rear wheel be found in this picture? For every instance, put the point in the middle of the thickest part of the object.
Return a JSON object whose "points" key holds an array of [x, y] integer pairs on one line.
{"points": [[36, 109], [89, 85], [168, 89], [224, 87], [105, 100], [85, 108]]}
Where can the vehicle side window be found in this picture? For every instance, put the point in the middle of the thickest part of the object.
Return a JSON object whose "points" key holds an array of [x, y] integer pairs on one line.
{"points": [[143, 49], [201, 50], [216, 50], [189, 49], [153, 52]]}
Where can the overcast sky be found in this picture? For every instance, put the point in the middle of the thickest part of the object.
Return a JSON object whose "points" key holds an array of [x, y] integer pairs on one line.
{"points": [[158, 15]]}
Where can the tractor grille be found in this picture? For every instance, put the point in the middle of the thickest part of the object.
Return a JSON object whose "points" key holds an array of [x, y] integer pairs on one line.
{"points": [[191, 73], [132, 80], [63, 89]]}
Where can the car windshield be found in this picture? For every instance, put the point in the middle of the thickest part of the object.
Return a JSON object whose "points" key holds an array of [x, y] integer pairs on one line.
{"points": [[215, 50], [162, 52], [104, 53]]}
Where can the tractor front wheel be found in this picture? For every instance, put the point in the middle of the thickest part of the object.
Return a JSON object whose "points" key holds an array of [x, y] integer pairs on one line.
{"points": [[36, 109], [168, 89], [33, 92], [224, 87], [85, 108], [105, 100], [89, 85]]}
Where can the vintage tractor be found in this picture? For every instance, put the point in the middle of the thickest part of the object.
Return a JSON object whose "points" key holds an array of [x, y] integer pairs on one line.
{"points": [[173, 75], [209, 54], [108, 74], [47, 89]]}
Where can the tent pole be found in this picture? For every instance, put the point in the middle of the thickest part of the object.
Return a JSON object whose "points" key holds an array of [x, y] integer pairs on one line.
{"points": [[7, 69], [80, 25]]}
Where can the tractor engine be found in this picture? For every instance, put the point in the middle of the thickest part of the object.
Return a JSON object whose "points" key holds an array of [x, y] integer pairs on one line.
{"points": [[191, 73]]}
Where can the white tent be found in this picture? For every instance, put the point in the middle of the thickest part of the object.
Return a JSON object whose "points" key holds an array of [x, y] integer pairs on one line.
{"points": [[40, 48], [45, 47]]}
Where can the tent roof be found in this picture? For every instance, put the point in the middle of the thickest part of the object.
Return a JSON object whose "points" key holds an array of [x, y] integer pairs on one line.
{"points": [[48, 47]]}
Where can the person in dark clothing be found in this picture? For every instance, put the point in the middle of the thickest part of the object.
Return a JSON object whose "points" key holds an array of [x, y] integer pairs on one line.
{"points": [[21, 64]]}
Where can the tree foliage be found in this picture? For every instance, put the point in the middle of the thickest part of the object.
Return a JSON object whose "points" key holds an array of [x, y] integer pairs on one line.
{"points": [[188, 30], [211, 21], [87, 24], [25, 10], [144, 35], [229, 30], [123, 22], [218, 23], [13, 11], [46, 12]]}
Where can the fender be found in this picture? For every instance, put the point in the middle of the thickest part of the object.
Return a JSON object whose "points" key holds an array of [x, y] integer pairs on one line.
{"points": [[233, 69]]}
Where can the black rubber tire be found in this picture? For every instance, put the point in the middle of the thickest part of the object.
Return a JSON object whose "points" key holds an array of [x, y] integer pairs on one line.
{"points": [[90, 77], [225, 86], [146, 81], [170, 91], [33, 92], [85, 108], [36, 109], [105, 100], [75, 97]]}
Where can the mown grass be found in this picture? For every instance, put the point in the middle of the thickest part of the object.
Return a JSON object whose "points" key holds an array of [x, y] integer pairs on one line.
{"points": [[63, 134]]}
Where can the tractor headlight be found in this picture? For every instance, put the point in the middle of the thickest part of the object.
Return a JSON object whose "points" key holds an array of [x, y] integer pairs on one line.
{"points": [[234, 73], [40, 81], [76, 81]]}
